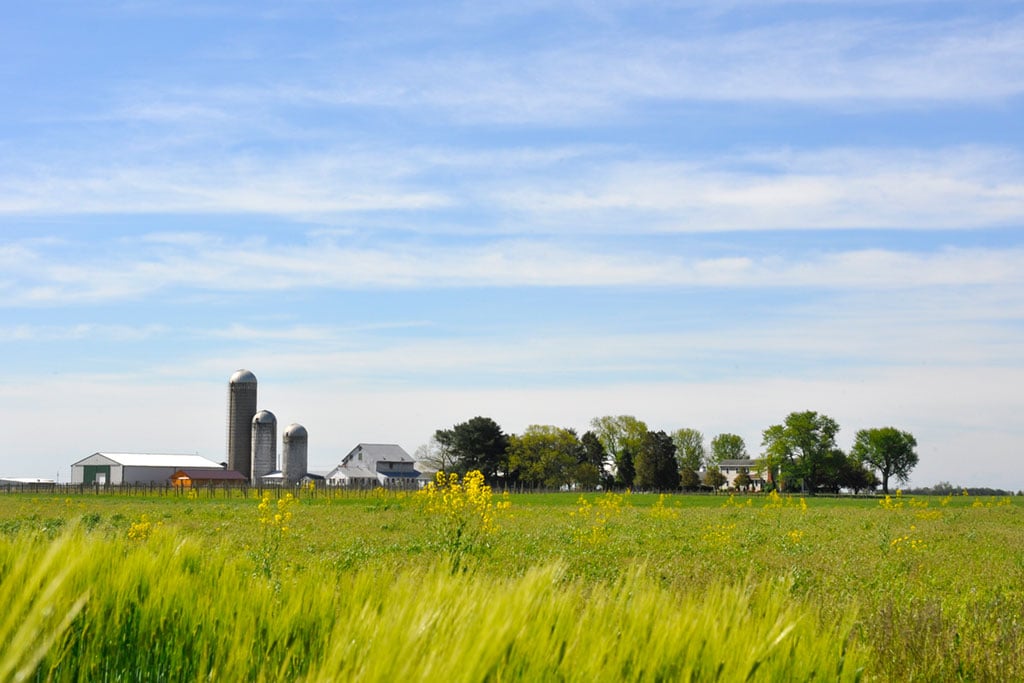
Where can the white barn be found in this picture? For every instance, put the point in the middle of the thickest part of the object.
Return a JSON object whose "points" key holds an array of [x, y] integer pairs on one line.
{"points": [[376, 464], [135, 468]]}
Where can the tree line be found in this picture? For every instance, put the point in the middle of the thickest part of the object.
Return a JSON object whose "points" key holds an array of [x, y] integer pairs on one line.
{"points": [[800, 453]]}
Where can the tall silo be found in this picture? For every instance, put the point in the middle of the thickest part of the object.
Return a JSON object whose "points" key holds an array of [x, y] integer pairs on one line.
{"points": [[241, 410], [264, 444], [295, 456]]}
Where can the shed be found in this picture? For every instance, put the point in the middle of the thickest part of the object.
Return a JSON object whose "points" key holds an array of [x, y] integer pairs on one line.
{"points": [[205, 477], [135, 468]]}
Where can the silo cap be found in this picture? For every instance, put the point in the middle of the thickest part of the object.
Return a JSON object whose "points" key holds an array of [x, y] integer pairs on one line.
{"points": [[264, 417], [243, 377], [295, 431]]}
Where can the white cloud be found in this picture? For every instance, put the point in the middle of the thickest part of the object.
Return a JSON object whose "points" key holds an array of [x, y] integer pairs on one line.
{"points": [[192, 263]]}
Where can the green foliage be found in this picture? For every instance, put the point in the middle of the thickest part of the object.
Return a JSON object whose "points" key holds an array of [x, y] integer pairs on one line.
{"points": [[622, 436], [477, 444], [545, 455], [690, 450], [803, 449], [888, 450], [656, 463], [714, 478], [728, 447]]}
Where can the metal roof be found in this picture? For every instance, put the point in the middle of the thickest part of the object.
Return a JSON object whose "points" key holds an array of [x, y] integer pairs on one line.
{"points": [[295, 431], [377, 452], [176, 461], [243, 377], [264, 417]]}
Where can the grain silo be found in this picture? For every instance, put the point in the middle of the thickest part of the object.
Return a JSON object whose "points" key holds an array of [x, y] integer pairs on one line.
{"points": [[264, 445], [241, 410], [296, 454]]}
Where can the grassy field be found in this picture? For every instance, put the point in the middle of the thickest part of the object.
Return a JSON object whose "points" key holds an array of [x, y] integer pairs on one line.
{"points": [[539, 587]]}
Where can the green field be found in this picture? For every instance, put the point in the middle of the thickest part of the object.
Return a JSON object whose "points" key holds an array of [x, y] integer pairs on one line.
{"points": [[384, 586]]}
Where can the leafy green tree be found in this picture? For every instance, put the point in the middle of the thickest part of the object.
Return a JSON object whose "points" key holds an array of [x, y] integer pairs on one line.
{"points": [[586, 475], [888, 450], [689, 479], [802, 449], [656, 466], [855, 476], [742, 481], [728, 447], [593, 451], [622, 437], [545, 455], [690, 450], [714, 478], [477, 444]]}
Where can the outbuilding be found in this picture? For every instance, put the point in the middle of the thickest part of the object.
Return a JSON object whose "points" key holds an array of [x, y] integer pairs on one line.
{"points": [[136, 468], [205, 477]]}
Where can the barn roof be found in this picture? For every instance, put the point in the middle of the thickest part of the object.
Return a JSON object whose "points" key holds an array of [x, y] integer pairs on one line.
{"points": [[177, 461]]}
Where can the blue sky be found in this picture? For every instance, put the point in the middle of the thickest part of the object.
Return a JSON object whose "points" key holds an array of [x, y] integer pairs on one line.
{"points": [[403, 215]]}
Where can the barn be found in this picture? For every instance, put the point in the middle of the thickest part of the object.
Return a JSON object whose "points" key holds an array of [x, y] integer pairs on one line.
{"points": [[136, 468]]}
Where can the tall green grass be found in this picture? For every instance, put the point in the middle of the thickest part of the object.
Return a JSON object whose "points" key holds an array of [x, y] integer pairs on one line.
{"points": [[171, 609]]}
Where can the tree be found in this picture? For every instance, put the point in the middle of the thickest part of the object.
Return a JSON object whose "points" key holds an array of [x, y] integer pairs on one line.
{"points": [[689, 479], [656, 466], [593, 452], [742, 481], [545, 455], [436, 455], [728, 447], [477, 444], [888, 450], [621, 436], [802, 448], [690, 451], [714, 478]]}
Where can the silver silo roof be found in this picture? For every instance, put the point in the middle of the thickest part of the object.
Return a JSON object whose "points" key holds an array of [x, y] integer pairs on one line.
{"points": [[243, 377]]}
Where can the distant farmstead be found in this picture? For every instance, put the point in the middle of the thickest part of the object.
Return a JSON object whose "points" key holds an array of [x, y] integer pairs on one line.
{"points": [[137, 468]]}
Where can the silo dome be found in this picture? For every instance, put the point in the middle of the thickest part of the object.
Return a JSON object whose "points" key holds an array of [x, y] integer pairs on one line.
{"points": [[243, 377], [264, 417], [295, 432]]}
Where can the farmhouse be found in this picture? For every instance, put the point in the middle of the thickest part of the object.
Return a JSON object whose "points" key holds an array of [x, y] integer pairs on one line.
{"points": [[136, 468], [376, 464], [733, 468]]}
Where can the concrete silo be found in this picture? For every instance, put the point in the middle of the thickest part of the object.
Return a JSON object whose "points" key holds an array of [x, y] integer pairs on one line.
{"points": [[295, 457], [264, 444], [241, 410]]}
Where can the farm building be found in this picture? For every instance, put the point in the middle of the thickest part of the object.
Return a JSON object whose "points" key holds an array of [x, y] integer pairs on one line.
{"points": [[376, 464], [136, 468], [205, 477], [733, 468]]}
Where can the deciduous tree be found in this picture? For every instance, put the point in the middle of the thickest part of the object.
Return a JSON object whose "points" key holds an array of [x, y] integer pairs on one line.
{"points": [[888, 450], [728, 447], [801, 448], [690, 450], [621, 436], [545, 455]]}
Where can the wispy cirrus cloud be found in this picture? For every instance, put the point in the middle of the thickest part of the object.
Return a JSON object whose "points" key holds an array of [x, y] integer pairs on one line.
{"points": [[221, 265]]}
